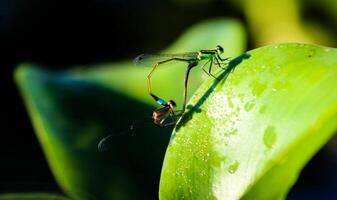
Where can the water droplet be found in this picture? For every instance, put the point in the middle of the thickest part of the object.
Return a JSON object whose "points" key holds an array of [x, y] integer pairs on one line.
{"points": [[249, 105], [217, 159], [269, 137], [230, 102], [202, 174], [231, 132], [233, 167], [311, 53], [278, 85], [258, 88], [262, 109]]}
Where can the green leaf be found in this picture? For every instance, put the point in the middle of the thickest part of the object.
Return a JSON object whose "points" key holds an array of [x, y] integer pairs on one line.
{"points": [[249, 135], [72, 110], [284, 21], [32, 196]]}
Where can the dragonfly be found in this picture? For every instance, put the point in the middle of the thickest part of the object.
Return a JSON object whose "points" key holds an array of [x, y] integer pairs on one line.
{"points": [[192, 59]]}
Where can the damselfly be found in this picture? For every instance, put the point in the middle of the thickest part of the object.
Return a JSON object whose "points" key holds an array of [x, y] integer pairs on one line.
{"points": [[166, 115], [192, 59]]}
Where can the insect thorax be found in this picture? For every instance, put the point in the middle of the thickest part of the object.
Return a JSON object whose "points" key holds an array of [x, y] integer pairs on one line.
{"points": [[205, 55]]}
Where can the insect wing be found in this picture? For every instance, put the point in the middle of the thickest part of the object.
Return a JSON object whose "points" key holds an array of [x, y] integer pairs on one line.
{"points": [[151, 59], [106, 142]]}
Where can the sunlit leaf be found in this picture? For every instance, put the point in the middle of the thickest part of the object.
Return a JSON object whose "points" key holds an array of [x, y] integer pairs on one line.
{"points": [[249, 135]]}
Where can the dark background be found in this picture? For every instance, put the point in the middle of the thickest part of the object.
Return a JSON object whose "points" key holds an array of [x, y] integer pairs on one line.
{"points": [[59, 34]]}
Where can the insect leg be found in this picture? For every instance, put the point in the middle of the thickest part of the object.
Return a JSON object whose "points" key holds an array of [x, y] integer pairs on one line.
{"points": [[210, 68], [189, 67], [203, 67], [153, 70], [218, 63], [222, 59]]}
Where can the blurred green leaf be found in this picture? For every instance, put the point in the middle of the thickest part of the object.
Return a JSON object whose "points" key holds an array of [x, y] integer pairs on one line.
{"points": [[249, 135], [32, 196], [72, 110], [280, 21]]}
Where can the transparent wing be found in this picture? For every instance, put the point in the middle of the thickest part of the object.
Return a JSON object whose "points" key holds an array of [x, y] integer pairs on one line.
{"points": [[140, 125], [106, 142], [150, 59], [103, 143]]}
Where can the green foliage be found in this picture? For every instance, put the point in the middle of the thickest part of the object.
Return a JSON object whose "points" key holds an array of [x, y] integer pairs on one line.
{"points": [[302, 21], [32, 196], [71, 111], [248, 135]]}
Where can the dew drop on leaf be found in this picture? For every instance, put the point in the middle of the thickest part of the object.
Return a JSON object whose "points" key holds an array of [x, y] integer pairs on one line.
{"points": [[269, 137], [233, 167]]}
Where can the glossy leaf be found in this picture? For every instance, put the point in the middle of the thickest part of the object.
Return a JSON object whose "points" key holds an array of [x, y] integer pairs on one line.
{"points": [[248, 135]]}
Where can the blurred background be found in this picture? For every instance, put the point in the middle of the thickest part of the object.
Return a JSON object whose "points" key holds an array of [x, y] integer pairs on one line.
{"points": [[60, 34]]}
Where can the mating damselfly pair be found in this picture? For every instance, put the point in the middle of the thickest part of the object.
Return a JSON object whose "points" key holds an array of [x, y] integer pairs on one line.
{"points": [[166, 115]]}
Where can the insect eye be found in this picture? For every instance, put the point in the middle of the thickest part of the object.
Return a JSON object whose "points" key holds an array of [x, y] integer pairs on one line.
{"points": [[219, 49], [172, 103]]}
